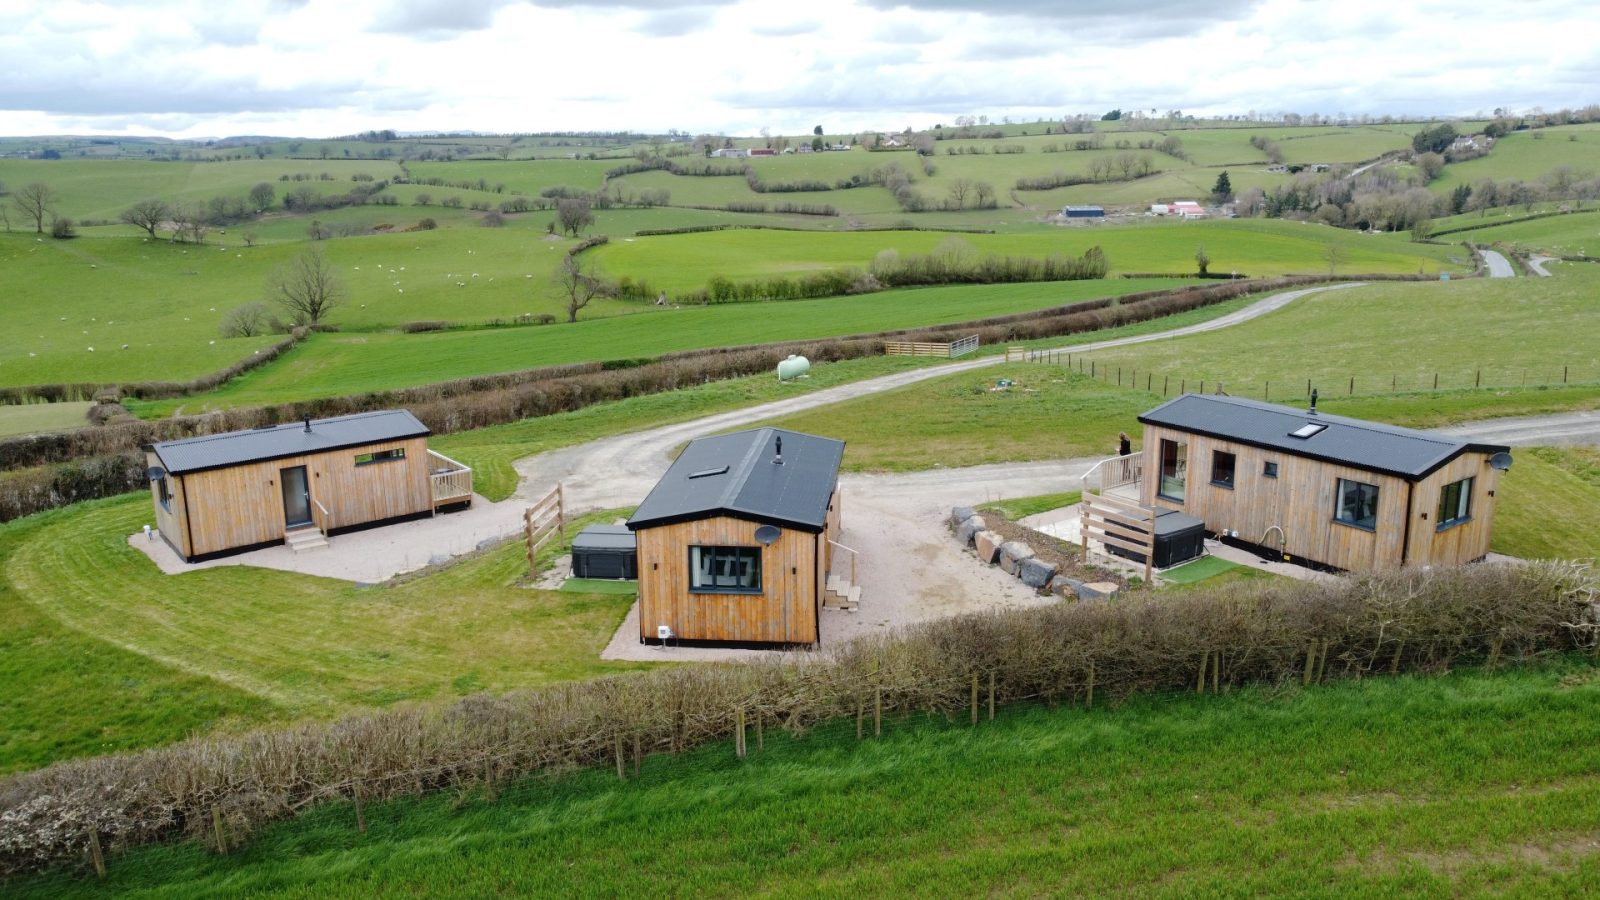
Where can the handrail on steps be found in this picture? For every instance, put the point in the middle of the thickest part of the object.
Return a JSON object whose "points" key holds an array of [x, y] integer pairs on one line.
{"points": [[853, 555], [327, 517]]}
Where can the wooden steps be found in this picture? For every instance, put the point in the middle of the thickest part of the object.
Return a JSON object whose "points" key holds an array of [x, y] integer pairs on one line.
{"points": [[306, 537]]}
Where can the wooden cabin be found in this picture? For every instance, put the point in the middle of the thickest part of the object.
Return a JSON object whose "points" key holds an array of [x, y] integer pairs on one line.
{"points": [[298, 483], [735, 540], [1323, 489]]}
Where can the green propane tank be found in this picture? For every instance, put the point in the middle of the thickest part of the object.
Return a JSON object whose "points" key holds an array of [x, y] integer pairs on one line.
{"points": [[793, 367]]}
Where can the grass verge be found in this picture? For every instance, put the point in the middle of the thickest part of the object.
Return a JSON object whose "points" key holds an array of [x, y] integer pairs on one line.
{"points": [[1419, 786]]}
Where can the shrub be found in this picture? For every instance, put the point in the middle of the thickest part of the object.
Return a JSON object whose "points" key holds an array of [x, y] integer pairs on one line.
{"points": [[248, 320], [63, 229], [431, 325]]}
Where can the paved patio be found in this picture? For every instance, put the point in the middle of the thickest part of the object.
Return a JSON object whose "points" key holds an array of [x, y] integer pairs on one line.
{"points": [[370, 556]]}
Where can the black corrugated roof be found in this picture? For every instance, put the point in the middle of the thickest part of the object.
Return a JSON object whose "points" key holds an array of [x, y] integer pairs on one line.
{"points": [[1402, 452], [750, 485], [236, 448]]}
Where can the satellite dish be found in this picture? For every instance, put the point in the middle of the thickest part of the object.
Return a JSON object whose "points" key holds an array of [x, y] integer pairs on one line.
{"points": [[1500, 461], [155, 473], [768, 534]]}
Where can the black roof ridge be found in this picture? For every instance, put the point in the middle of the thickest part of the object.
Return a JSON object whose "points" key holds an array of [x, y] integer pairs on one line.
{"points": [[1362, 424], [243, 432]]}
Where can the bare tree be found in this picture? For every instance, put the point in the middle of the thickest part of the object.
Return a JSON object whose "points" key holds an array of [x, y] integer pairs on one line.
{"points": [[34, 202], [959, 189], [1335, 256], [246, 320], [575, 215], [985, 192], [147, 214], [580, 281], [306, 287], [1202, 259]]}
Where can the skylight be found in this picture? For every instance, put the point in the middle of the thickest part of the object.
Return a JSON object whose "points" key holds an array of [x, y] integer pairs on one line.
{"points": [[1309, 429], [707, 473]]}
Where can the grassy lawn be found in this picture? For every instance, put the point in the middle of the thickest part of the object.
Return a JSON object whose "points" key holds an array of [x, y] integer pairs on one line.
{"points": [[1372, 334], [1527, 155], [29, 418], [1550, 504], [1021, 507], [333, 364], [1446, 786], [1575, 234], [234, 646]]}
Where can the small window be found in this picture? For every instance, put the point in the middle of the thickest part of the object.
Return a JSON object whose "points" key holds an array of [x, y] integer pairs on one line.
{"points": [[725, 570], [1357, 504], [1269, 469], [164, 493], [1222, 469], [1310, 429], [367, 459], [1455, 503], [1174, 469]]}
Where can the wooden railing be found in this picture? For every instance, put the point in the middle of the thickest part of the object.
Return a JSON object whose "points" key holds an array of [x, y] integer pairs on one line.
{"points": [[1110, 474], [929, 348], [853, 554], [451, 480], [1119, 523], [542, 522], [327, 517]]}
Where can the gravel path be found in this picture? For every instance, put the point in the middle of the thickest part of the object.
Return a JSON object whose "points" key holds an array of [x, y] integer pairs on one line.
{"points": [[1536, 263], [1499, 266]]}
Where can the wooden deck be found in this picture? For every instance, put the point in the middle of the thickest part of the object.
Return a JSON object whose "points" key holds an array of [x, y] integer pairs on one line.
{"points": [[451, 481]]}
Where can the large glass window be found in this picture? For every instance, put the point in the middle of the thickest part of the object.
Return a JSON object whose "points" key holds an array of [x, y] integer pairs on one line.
{"points": [[164, 493], [1174, 469], [367, 459], [725, 569], [1222, 468], [1455, 502], [1357, 504]]}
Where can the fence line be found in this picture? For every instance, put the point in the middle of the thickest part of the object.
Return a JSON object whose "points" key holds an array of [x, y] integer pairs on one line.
{"points": [[545, 520], [950, 350], [1328, 386]]}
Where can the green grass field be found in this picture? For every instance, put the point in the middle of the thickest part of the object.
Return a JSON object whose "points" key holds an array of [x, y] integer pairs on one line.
{"points": [[1453, 785], [328, 365], [103, 651], [1528, 156], [1577, 234], [1372, 334], [34, 417]]}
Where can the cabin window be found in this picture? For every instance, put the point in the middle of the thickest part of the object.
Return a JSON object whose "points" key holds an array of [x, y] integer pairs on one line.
{"points": [[725, 570], [1455, 503], [1174, 467], [1222, 469], [1269, 470], [1357, 504], [367, 459], [164, 493]]}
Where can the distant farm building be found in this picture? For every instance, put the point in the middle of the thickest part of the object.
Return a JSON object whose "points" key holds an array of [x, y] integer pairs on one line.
{"points": [[730, 153], [736, 539], [1186, 209], [1324, 489], [298, 483], [763, 151], [1084, 212]]}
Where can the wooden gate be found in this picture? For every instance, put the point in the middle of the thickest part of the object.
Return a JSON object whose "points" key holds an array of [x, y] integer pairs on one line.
{"points": [[542, 521]]}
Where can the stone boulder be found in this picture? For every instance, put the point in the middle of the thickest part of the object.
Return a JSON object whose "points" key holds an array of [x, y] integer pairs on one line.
{"points": [[1035, 572], [987, 543], [960, 514], [1065, 586], [1012, 553], [1098, 590], [968, 529]]}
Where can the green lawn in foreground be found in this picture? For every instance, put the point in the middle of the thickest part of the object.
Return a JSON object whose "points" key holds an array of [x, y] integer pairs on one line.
{"points": [[1441, 786], [231, 646], [28, 418], [334, 364]]}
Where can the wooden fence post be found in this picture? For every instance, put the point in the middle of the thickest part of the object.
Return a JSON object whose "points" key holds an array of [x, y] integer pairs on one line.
{"points": [[216, 830], [761, 741], [991, 695], [861, 715], [1311, 662], [973, 704], [877, 711], [738, 736], [1200, 680], [96, 855], [1089, 699], [361, 814], [616, 746]]}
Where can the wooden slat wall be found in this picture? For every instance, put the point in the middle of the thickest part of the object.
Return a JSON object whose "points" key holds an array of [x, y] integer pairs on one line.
{"points": [[1460, 543], [1301, 501], [243, 505], [784, 613]]}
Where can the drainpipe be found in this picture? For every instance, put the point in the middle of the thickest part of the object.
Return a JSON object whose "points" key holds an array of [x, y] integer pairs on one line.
{"points": [[1405, 537]]}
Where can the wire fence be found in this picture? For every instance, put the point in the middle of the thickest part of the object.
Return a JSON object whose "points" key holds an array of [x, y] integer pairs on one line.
{"points": [[221, 791], [1327, 384]]}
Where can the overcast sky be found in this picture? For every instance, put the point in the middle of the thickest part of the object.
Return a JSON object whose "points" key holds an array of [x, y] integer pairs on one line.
{"points": [[317, 68]]}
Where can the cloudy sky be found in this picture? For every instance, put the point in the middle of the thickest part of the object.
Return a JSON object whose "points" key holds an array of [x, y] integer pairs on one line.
{"points": [[316, 68]]}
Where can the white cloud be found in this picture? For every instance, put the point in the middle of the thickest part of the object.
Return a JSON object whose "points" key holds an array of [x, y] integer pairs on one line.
{"points": [[322, 67]]}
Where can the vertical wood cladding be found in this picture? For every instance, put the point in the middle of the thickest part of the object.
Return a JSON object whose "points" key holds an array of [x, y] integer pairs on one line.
{"points": [[1302, 499]]}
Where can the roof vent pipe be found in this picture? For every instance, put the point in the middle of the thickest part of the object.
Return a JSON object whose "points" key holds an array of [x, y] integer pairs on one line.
{"points": [[777, 459], [1313, 409], [308, 424]]}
